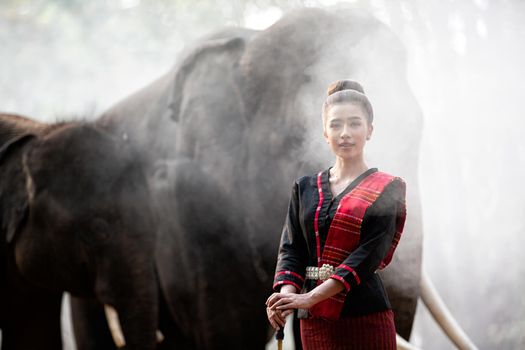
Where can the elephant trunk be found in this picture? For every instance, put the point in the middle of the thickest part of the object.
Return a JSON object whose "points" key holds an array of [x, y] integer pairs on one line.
{"points": [[131, 309], [442, 315]]}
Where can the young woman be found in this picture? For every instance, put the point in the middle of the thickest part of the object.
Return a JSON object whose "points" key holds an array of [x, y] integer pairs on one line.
{"points": [[343, 224]]}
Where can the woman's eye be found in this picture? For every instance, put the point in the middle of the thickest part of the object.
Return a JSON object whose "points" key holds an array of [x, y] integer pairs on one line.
{"points": [[335, 126], [355, 124]]}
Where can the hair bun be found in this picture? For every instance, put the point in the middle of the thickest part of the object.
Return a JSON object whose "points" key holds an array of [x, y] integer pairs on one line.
{"points": [[346, 84]]}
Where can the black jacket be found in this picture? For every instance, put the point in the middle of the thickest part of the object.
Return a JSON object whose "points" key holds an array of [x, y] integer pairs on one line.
{"points": [[298, 245]]}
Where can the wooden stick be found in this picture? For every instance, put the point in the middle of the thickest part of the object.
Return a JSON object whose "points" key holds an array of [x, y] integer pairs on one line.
{"points": [[279, 336]]}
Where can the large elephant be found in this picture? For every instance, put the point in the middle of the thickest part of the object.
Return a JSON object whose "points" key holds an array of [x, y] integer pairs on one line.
{"points": [[239, 119], [230, 127], [72, 219]]}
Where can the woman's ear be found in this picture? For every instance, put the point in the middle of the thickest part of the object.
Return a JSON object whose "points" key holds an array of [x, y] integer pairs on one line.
{"points": [[370, 130]]}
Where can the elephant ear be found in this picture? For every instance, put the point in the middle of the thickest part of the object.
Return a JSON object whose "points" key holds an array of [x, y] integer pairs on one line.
{"points": [[211, 66], [13, 126], [15, 132], [207, 106], [17, 199]]}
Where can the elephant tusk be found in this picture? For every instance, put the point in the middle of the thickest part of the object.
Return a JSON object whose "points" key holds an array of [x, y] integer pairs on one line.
{"points": [[160, 336], [442, 315], [402, 344], [116, 329], [114, 326]]}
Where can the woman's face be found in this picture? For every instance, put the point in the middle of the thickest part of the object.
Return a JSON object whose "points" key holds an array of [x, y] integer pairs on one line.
{"points": [[346, 130]]}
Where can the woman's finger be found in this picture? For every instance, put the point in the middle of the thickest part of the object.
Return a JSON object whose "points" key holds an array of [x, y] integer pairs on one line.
{"points": [[273, 298], [274, 325], [273, 313], [279, 321], [277, 317], [282, 301], [280, 318], [268, 300], [277, 303], [290, 305], [287, 312]]}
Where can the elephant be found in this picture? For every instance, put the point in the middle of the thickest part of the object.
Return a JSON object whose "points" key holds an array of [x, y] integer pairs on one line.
{"points": [[72, 219], [227, 130], [241, 110]]}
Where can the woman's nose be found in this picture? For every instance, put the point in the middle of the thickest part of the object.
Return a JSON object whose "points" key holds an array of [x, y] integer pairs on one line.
{"points": [[346, 131]]}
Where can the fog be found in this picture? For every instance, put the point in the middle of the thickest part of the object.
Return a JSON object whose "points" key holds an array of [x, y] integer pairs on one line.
{"points": [[71, 59], [464, 68]]}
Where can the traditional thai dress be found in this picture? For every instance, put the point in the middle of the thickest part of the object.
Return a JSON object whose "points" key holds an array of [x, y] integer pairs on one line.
{"points": [[347, 238]]}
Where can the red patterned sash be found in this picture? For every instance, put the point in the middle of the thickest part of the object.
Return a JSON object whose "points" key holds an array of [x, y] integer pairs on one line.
{"points": [[344, 234]]}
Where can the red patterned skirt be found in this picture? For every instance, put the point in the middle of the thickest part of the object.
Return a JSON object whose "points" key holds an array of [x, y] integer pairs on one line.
{"points": [[373, 331]]}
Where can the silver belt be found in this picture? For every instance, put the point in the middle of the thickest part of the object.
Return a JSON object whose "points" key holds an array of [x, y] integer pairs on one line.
{"points": [[319, 273]]}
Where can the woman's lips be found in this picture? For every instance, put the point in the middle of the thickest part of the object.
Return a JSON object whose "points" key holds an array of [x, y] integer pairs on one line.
{"points": [[346, 144]]}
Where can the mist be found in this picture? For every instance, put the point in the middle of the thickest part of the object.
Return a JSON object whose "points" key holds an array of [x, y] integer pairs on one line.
{"points": [[67, 60]]}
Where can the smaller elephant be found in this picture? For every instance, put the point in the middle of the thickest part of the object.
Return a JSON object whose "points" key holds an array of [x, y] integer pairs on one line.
{"points": [[210, 274], [72, 219]]}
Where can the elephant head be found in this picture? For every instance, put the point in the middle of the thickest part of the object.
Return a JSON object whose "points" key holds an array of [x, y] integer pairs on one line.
{"points": [[74, 218]]}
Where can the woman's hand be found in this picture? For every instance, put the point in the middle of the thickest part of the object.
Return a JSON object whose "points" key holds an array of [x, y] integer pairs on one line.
{"points": [[287, 301], [277, 318]]}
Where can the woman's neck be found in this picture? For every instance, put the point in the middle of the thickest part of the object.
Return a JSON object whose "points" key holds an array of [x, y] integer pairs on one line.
{"points": [[347, 169]]}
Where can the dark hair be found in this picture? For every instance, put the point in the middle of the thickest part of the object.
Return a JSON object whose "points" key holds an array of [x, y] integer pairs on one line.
{"points": [[347, 91]]}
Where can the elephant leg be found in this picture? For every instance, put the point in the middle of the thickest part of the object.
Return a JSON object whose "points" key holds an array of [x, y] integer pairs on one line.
{"points": [[173, 337], [32, 315], [90, 325]]}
